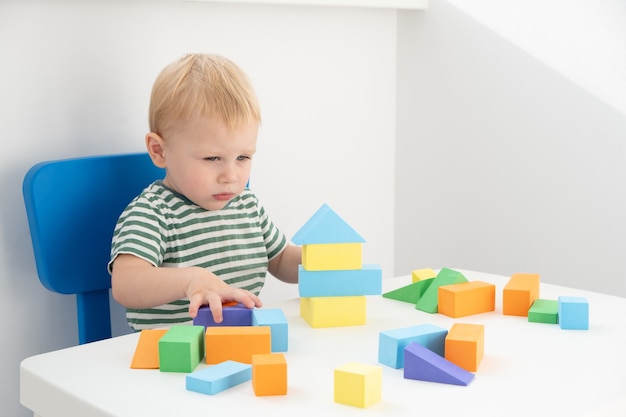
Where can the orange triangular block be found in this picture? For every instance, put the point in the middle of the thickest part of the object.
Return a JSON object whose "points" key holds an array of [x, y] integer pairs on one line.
{"points": [[147, 351], [409, 293]]}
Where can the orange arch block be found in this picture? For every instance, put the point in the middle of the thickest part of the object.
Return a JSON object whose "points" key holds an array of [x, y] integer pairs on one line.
{"points": [[519, 294], [467, 298]]}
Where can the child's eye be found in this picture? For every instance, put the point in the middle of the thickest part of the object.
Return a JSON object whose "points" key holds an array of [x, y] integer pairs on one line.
{"points": [[212, 158], [242, 157]]}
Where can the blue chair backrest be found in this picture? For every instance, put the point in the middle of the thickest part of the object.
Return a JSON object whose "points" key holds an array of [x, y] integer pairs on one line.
{"points": [[72, 206]]}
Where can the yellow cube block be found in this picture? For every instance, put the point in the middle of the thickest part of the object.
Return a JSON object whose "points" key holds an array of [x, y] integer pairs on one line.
{"points": [[358, 384], [422, 274], [332, 256], [333, 311]]}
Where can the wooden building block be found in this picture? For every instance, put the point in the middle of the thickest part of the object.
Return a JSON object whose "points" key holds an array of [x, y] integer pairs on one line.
{"points": [[519, 294], [269, 374], [333, 311], [275, 319], [428, 302], [465, 345], [337, 283], [325, 226], [181, 348], [233, 314], [422, 274], [332, 256], [544, 311], [217, 378], [358, 384], [467, 298], [147, 351], [424, 365], [410, 293], [236, 343], [391, 343], [573, 313]]}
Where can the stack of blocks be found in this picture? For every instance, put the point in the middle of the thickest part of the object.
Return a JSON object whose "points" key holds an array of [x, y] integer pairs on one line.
{"points": [[333, 281], [241, 348]]}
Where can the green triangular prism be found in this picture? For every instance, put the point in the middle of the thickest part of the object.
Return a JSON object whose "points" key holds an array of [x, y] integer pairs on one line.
{"points": [[409, 293]]}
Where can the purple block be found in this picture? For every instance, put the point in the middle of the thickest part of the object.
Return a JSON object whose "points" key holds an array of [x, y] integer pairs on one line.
{"points": [[233, 315], [425, 365]]}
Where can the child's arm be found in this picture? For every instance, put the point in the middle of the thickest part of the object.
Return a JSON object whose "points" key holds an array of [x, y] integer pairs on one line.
{"points": [[285, 265], [135, 283]]}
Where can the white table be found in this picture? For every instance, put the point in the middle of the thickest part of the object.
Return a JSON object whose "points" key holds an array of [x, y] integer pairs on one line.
{"points": [[528, 369]]}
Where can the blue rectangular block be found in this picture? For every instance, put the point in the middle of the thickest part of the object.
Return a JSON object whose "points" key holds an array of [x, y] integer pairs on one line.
{"points": [[276, 320], [219, 377], [233, 315], [391, 343], [573, 313], [364, 281]]}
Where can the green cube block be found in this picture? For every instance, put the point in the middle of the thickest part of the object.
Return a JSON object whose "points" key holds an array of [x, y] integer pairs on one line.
{"points": [[544, 311], [181, 349]]}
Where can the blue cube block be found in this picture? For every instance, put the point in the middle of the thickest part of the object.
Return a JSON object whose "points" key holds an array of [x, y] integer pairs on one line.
{"points": [[279, 329], [219, 377], [573, 313], [391, 343]]}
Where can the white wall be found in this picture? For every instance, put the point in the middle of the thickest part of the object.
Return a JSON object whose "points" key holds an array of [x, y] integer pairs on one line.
{"points": [[75, 80], [504, 164]]}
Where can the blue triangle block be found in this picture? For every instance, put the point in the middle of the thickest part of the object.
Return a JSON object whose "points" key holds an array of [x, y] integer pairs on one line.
{"points": [[325, 226], [425, 365]]}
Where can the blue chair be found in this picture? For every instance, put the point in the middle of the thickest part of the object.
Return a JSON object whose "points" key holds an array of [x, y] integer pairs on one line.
{"points": [[72, 206]]}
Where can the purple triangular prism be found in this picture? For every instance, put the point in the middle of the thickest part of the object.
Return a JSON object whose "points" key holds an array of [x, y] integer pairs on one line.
{"points": [[423, 364]]}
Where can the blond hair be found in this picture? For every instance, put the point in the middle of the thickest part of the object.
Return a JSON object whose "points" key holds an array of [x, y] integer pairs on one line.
{"points": [[206, 85]]}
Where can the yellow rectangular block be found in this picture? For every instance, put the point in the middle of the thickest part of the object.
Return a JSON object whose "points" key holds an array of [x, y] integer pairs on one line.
{"points": [[466, 298], [465, 345], [422, 274], [333, 311], [269, 374], [332, 256], [519, 294], [236, 343], [358, 384]]}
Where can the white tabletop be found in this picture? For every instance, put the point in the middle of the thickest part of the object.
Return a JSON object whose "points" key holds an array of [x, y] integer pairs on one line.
{"points": [[528, 369]]}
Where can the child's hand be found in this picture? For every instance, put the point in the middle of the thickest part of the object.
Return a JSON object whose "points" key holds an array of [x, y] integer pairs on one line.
{"points": [[209, 289]]}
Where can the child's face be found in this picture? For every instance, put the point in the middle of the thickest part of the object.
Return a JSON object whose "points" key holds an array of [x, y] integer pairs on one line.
{"points": [[208, 163]]}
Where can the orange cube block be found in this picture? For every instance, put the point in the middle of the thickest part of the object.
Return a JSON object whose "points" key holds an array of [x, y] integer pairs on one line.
{"points": [[519, 294], [465, 345], [467, 298], [236, 343], [269, 374]]}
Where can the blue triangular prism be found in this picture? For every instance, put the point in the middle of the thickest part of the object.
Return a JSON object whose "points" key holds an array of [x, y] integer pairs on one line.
{"points": [[325, 226]]}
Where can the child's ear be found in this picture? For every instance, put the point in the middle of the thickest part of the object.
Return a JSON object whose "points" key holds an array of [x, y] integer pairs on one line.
{"points": [[155, 146]]}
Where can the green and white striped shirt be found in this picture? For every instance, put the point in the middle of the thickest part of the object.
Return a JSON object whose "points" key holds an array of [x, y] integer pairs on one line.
{"points": [[168, 230]]}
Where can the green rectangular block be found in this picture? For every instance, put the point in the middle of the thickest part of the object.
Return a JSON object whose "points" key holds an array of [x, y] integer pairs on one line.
{"points": [[544, 311], [181, 349]]}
